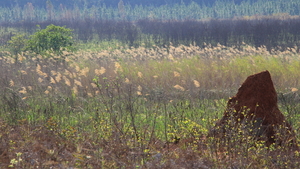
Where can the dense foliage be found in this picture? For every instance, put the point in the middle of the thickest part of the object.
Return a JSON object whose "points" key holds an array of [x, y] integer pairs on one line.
{"points": [[78, 10], [273, 32], [53, 39], [69, 3]]}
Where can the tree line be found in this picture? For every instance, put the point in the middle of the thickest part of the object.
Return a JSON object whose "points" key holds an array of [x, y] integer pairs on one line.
{"points": [[113, 3], [80, 10], [272, 32]]}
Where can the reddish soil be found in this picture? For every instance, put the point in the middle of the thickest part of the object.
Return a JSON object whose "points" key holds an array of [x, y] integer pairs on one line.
{"points": [[256, 100]]}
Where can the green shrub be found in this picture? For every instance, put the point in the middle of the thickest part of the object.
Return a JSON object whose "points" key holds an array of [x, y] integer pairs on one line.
{"points": [[53, 39]]}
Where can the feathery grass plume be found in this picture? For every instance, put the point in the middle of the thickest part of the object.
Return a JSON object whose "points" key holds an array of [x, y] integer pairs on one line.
{"points": [[75, 90], [139, 88], [176, 74], [46, 92], [29, 88], [178, 87], [11, 83], [294, 89], [67, 81], [23, 72], [77, 68], [155, 76], [52, 81], [67, 60], [40, 80], [97, 72], [127, 80], [78, 83], [38, 68], [23, 91], [53, 73], [196, 83], [102, 70], [94, 85], [90, 94], [40, 72], [118, 67], [84, 72], [140, 74], [68, 73], [58, 77], [49, 88], [21, 57], [74, 75], [170, 56]]}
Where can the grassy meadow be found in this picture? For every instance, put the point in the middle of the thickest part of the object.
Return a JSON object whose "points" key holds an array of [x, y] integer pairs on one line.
{"points": [[138, 107]]}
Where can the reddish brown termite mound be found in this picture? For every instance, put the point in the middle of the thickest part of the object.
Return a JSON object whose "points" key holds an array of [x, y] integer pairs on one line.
{"points": [[255, 106]]}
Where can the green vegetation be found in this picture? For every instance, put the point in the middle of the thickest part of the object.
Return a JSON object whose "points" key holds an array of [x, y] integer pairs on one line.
{"points": [[71, 10], [146, 84], [138, 107], [51, 39]]}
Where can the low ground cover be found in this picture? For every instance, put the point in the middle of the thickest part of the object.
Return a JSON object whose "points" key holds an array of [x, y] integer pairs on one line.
{"points": [[137, 107]]}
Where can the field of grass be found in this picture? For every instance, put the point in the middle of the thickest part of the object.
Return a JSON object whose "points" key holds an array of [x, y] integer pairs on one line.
{"points": [[137, 107]]}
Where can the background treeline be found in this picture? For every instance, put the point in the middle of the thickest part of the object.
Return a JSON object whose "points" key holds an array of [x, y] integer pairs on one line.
{"points": [[113, 3], [272, 32], [123, 10]]}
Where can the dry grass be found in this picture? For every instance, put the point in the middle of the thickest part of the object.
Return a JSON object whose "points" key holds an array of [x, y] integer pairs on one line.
{"points": [[136, 108]]}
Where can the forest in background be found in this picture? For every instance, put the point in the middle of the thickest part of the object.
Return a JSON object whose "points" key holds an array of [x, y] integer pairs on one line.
{"points": [[273, 24], [114, 3], [81, 10]]}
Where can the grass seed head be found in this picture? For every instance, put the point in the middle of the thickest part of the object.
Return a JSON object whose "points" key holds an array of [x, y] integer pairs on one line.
{"points": [[67, 81], [196, 83], [176, 74], [23, 91], [178, 87], [140, 74], [11, 83], [294, 89]]}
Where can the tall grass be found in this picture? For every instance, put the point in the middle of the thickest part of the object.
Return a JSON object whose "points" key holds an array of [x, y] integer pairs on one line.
{"points": [[137, 107]]}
